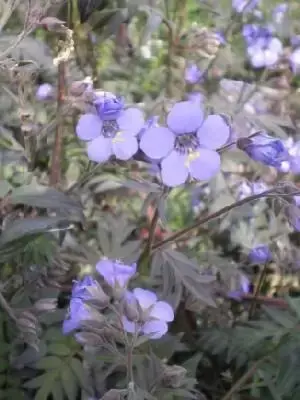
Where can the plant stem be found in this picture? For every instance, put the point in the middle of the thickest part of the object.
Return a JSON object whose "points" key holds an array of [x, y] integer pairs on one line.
{"points": [[5, 306], [257, 290], [177, 235], [238, 385], [55, 173]]}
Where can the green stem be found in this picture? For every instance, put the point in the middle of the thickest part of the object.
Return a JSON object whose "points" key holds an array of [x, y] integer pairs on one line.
{"points": [[238, 385], [257, 290], [224, 210]]}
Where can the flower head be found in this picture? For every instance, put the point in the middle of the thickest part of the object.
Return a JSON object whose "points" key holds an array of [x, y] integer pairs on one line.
{"points": [[265, 149], [187, 146], [265, 53], [152, 317], [260, 254], [279, 12], [295, 61], [192, 74], [111, 130], [115, 273], [245, 288], [44, 92]]}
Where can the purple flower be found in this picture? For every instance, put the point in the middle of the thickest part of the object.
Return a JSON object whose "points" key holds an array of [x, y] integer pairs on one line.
{"points": [[44, 92], [115, 273], [295, 61], [78, 311], [260, 254], [244, 5], [265, 52], [154, 314], [111, 131], [187, 145], [295, 41], [245, 287], [221, 37], [265, 149], [192, 74], [153, 121], [197, 97], [279, 13]]}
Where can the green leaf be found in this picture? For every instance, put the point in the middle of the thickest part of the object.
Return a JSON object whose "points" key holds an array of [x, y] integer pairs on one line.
{"points": [[57, 391], [31, 226], [59, 349], [5, 188], [69, 382], [49, 362], [3, 365], [47, 385], [2, 378], [44, 197], [36, 382], [78, 370]]}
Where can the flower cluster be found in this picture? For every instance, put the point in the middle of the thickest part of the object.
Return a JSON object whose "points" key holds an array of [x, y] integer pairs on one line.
{"points": [[244, 6], [263, 49], [140, 311], [185, 148]]}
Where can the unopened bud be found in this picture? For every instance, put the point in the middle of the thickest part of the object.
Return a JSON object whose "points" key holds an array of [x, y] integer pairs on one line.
{"points": [[113, 394], [45, 305], [53, 24], [98, 298]]}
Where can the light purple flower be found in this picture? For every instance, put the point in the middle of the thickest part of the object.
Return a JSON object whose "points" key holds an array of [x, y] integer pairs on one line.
{"points": [[265, 53], [187, 146], [115, 273], [78, 311], [241, 6], [155, 314], [295, 61], [295, 41], [44, 92], [279, 13], [260, 254], [151, 122], [245, 287], [112, 130], [221, 37], [197, 97], [192, 74], [265, 149]]}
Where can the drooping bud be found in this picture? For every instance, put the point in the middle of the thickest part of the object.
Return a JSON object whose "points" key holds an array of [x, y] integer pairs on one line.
{"points": [[174, 375]]}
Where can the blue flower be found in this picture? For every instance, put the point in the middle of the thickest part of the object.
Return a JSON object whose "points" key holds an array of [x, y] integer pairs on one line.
{"points": [[44, 92], [78, 311], [115, 273], [260, 254], [153, 314], [192, 74], [241, 6], [265, 149], [279, 12], [187, 146], [111, 130]]}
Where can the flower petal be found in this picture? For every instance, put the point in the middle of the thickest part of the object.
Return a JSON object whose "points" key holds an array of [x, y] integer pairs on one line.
{"points": [[99, 149], [185, 117], [146, 298], [214, 132], [155, 329], [124, 145], [157, 142], [206, 166], [131, 121], [129, 326], [106, 269], [162, 311], [173, 169], [89, 126]]}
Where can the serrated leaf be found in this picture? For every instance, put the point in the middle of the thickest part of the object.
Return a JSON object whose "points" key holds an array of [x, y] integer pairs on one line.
{"points": [[69, 382], [49, 362]]}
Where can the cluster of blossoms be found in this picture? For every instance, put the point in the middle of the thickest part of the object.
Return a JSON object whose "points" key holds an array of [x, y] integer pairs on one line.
{"points": [[263, 49], [138, 312], [185, 148]]}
